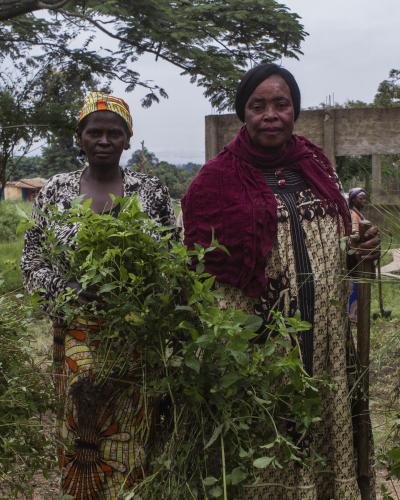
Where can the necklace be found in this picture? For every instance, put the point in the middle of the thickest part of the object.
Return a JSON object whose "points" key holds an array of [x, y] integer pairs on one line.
{"points": [[280, 175]]}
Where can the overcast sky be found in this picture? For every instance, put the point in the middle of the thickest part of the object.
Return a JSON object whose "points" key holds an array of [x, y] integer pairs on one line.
{"points": [[351, 47]]}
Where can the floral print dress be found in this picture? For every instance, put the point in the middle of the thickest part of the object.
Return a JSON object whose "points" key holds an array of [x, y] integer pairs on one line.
{"points": [[307, 272], [105, 430]]}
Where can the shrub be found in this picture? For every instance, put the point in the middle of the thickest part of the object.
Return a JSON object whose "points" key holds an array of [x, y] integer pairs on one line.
{"points": [[10, 217], [25, 395]]}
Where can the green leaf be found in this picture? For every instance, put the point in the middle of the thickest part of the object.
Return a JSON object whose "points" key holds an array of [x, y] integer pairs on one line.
{"points": [[268, 446], [263, 462], [23, 215], [200, 267], [245, 454], [210, 481], [77, 201], [215, 435], [238, 475], [229, 379], [193, 363], [107, 287], [253, 323], [215, 492]]}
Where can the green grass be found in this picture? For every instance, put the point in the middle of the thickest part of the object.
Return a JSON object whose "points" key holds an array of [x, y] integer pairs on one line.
{"points": [[384, 372], [11, 245], [10, 258]]}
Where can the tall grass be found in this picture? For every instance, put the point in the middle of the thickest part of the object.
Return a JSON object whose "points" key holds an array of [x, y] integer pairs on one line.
{"points": [[10, 257], [10, 243]]}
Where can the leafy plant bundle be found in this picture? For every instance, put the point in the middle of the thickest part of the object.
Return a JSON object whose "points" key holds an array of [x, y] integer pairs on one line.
{"points": [[235, 399], [25, 396]]}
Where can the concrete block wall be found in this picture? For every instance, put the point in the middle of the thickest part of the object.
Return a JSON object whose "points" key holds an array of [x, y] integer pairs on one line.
{"points": [[340, 132]]}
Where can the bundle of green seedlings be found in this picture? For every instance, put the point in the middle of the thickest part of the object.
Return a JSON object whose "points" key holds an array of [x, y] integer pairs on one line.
{"points": [[25, 398], [235, 400]]}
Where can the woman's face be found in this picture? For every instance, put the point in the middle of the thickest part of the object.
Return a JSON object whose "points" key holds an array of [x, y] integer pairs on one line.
{"points": [[103, 139], [269, 114], [360, 201]]}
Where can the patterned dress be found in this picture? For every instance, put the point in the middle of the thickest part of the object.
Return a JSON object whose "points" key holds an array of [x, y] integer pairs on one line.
{"points": [[356, 218], [307, 271], [104, 429]]}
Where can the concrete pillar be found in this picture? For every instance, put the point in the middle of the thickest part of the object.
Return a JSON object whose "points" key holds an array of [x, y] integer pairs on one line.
{"points": [[329, 136], [376, 181], [211, 136]]}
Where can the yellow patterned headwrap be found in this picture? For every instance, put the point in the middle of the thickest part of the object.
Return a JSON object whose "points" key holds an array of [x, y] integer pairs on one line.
{"points": [[98, 101]]}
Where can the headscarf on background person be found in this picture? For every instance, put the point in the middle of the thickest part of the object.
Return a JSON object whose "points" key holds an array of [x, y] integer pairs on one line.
{"points": [[356, 211], [353, 193]]}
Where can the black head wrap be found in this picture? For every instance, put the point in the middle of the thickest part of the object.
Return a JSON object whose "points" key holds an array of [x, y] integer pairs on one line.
{"points": [[258, 74]]}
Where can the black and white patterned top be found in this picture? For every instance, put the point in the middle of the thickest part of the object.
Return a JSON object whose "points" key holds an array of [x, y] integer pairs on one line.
{"points": [[45, 276]]}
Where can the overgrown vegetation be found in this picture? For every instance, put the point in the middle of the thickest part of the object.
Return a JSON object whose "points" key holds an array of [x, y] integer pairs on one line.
{"points": [[11, 243], [25, 397], [238, 397], [385, 350], [11, 214]]}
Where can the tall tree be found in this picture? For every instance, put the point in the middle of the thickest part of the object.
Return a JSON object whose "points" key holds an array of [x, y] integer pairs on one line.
{"points": [[39, 103], [15, 129], [388, 94], [177, 179], [211, 41]]}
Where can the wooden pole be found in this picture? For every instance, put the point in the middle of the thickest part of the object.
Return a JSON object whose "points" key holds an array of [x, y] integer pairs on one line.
{"points": [[381, 309], [366, 272]]}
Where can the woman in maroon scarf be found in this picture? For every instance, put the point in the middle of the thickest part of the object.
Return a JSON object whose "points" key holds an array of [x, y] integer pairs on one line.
{"points": [[274, 201]]}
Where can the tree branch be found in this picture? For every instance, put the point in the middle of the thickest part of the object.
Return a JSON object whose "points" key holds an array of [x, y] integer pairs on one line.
{"points": [[24, 125], [121, 39], [13, 8], [52, 5]]}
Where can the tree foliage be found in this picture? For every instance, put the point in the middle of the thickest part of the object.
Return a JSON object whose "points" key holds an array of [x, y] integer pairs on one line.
{"points": [[211, 41], [177, 179], [41, 102], [354, 171], [388, 94], [14, 8]]}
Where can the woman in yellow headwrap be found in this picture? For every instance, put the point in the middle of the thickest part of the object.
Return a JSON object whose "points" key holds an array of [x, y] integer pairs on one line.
{"points": [[101, 433]]}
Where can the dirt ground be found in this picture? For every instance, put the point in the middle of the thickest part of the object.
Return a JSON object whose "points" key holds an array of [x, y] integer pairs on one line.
{"points": [[47, 489]]}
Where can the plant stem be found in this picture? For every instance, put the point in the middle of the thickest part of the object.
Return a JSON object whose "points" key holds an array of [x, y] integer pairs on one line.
{"points": [[223, 467]]}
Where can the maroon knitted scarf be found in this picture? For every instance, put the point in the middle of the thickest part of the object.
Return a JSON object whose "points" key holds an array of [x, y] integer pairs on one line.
{"points": [[230, 195]]}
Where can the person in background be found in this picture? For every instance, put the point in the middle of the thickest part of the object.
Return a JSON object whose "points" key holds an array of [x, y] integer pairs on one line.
{"points": [[103, 428], [357, 201], [274, 200]]}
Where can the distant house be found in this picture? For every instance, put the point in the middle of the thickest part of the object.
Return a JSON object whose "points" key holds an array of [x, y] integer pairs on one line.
{"points": [[24, 189]]}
